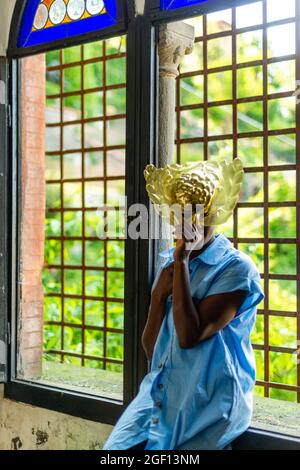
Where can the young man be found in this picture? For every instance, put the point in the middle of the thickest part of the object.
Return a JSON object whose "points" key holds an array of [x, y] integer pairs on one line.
{"points": [[198, 392]]}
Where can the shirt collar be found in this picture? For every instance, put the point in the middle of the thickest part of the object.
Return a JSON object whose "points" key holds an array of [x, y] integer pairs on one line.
{"points": [[211, 255]]}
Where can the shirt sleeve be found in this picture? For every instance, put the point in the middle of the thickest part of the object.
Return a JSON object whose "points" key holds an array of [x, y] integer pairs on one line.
{"points": [[158, 272], [240, 274]]}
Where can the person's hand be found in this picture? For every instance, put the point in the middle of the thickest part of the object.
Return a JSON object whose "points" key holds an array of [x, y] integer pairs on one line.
{"points": [[164, 285], [189, 238]]}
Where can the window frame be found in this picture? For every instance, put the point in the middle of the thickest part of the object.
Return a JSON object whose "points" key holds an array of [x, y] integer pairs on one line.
{"points": [[140, 67], [141, 143], [159, 16]]}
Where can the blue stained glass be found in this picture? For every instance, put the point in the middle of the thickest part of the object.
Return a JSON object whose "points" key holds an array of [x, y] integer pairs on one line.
{"points": [[174, 4], [30, 36]]}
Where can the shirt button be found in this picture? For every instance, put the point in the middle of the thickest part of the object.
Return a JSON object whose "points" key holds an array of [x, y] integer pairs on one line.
{"points": [[158, 404], [160, 385], [160, 365], [155, 420]]}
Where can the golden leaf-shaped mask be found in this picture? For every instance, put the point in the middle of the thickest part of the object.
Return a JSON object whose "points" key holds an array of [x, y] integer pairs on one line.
{"points": [[215, 185]]}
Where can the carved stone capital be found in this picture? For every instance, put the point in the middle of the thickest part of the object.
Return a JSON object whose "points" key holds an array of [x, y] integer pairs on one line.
{"points": [[175, 41]]}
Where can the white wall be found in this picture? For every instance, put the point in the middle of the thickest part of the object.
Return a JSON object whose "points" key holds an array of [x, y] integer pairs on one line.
{"points": [[7, 8]]}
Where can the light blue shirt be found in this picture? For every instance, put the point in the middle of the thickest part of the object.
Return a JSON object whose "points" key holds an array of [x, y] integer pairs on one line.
{"points": [[200, 397]]}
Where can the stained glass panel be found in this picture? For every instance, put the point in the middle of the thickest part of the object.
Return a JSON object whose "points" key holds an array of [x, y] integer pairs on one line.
{"points": [[50, 20], [174, 4]]}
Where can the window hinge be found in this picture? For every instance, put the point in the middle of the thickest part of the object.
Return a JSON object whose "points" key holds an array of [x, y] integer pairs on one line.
{"points": [[9, 117], [8, 333]]}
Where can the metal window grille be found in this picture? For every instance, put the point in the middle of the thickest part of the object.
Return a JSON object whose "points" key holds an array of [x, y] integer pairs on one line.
{"points": [[88, 273], [231, 104]]}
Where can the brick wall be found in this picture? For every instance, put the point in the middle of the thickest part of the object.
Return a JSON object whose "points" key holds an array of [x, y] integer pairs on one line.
{"points": [[33, 216]]}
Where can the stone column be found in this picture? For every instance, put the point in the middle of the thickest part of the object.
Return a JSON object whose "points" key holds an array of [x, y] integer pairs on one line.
{"points": [[175, 41]]}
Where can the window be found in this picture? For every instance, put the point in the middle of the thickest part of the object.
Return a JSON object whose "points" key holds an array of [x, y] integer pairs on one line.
{"points": [[74, 164], [235, 97], [82, 302], [48, 20]]}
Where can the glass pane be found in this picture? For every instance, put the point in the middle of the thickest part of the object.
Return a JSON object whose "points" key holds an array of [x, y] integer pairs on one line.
{"points": [[115, 162], [73, 311], [219, 120], [276, 46], [281, 76], [73, 253], [252, 188], [282, 186], [191, 123], [250, 116], [220, 149], [251, 223], [93, 105], [282, 149], [94, 283], [94, 313], [72, 79], [220, 86], [72, 137], [277, 12], [93, 162], [219, 52], [282, 222], [191, 152], [249, 15], [282, 258], [94, 253], [115, 317], [72, 108], [283, 332], [72, 165], [219, 21], [249, 46], [283, 368], [72, 54], [191, 90], [250, 150], [250, 82], [72, 223], [282, 295], [282, 113]]}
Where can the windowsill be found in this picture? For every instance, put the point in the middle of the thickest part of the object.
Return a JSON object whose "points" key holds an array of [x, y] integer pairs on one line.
{"points": [[276, 416], [98, 382]]}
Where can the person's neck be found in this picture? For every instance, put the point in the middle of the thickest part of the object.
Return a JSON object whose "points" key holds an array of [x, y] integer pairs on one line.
{"points": [[207, 241]]}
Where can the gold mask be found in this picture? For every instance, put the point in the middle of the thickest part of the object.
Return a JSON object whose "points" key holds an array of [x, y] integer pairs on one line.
{"points": [[213, 184]]}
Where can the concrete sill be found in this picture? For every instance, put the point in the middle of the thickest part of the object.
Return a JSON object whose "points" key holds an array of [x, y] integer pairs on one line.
{"points": [[276, 416]]}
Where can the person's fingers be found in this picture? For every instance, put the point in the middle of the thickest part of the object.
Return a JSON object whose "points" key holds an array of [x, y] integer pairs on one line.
{"points": [[189, 235]]}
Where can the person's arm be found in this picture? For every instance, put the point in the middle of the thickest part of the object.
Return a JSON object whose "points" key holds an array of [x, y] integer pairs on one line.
{"points": [[196, 323], [157, 310]]}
